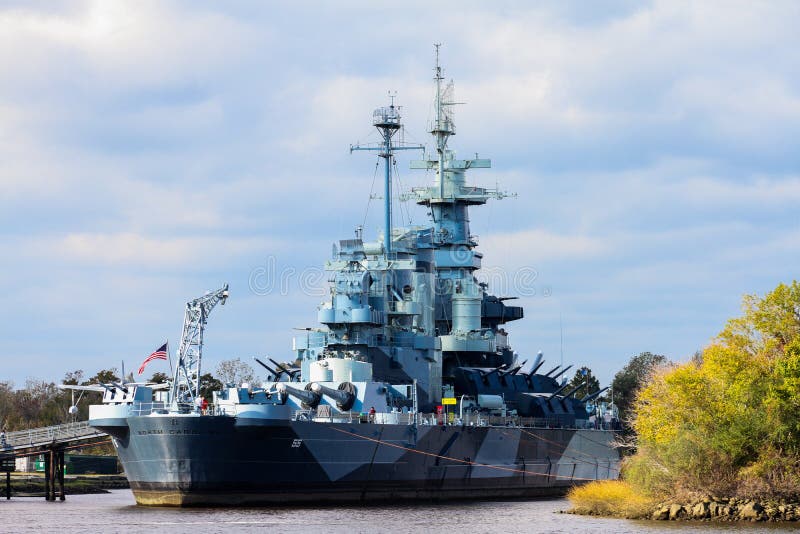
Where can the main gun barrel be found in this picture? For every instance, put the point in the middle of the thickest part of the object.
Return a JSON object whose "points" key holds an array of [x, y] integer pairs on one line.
{"points": [[594, 395], [344, 397], [308, 398]]}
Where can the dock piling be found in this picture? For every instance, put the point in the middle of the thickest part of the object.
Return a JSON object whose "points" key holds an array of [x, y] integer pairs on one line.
{"points": [[47, 472], [61, 474]]}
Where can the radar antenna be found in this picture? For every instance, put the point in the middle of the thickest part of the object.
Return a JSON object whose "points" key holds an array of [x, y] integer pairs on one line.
{"points": [[186, 385], [387, 121], [444, 126]]}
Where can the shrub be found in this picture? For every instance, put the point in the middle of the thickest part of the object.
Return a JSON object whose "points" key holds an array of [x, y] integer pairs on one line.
{"points": [[612, 498]]}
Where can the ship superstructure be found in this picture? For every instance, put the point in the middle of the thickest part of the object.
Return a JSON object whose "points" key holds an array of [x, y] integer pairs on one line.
{"points": [[408, 329], [410, 304]]}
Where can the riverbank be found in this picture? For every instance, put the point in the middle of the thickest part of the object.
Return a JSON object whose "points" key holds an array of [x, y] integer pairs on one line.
{"points": [[116, 511], [32, 485], [717, 509], [618, 499]]}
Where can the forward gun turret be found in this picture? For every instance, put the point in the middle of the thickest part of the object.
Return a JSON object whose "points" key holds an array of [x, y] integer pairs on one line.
{"points": [[344, 396], [310, 399]]}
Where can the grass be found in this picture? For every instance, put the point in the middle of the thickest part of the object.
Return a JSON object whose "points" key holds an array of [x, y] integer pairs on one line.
{"points": [[33, 484], [614, 498]]}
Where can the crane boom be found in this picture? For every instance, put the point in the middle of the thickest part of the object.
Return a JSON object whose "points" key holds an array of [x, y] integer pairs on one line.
{"points": [[186, 383]]}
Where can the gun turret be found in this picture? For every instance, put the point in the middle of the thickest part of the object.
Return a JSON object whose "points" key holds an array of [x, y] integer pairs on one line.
{"points": [[594, 395], [283, 368], [344, 396], [538, 362], [551, 371], [573, 391], [512, 371], [561, 372], [275, 374], [556, 392], [308, 398]]}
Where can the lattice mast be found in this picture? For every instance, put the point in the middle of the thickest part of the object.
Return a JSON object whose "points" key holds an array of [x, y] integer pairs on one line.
{"points": [[444, 127], [186, 382]]}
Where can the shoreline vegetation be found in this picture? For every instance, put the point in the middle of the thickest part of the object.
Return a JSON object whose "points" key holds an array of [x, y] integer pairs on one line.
{"points": [[617, 499], [718, 437], [32, 485]]}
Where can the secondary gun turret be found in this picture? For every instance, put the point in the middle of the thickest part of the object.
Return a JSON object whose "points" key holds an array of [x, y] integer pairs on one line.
{"points": [[345, 396]]}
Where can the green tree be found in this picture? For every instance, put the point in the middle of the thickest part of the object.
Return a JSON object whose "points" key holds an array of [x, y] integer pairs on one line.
{"points": [[208, 385], [105, 376], [73, 378], [630, 379], [7, 413], [80, 399], [40, 403], [160, 378], [584, 378]]}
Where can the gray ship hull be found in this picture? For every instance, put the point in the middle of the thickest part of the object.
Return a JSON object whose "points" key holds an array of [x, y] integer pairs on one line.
{"points": [[219, 460]]}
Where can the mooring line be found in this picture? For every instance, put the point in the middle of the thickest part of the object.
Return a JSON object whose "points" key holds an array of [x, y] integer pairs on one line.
{"points": [[564, 449], [458, 460]]}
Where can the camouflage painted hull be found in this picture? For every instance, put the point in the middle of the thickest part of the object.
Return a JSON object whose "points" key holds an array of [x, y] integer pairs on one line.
{"points": [[184, 461]]}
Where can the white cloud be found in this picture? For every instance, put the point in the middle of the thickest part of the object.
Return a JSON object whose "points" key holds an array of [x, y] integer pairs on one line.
{"points": [[134, 251], [653, 146], [121, 44], [531, 247]]}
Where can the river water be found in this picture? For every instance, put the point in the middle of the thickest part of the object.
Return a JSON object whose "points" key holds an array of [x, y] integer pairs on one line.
{"points": [[117, 512]]}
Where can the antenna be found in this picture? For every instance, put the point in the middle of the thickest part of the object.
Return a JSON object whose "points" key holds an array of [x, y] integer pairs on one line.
{"points": [[561, 329], [387, 121], [441, 139]]}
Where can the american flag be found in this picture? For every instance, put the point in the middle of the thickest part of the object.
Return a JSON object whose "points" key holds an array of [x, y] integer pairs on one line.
{"points": [[160, 354]]}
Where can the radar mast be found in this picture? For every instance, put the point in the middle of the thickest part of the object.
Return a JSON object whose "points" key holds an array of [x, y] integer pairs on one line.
{"points": [[387, 121]]}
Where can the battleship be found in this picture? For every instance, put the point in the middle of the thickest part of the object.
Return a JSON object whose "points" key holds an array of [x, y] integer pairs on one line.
{"points": [[407, 390]]}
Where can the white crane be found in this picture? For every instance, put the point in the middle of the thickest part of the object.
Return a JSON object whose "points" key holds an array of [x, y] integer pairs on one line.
{"points": [[186, 383]]}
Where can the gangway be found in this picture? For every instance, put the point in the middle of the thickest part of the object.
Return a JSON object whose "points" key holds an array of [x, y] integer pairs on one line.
{"points": [[51, 442]]}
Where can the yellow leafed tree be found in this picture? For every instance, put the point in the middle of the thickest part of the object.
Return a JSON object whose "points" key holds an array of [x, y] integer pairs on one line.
{"points": [[727, 422]]}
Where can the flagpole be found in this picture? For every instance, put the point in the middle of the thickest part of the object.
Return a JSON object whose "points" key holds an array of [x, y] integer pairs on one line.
{"points": [[169, 357]]}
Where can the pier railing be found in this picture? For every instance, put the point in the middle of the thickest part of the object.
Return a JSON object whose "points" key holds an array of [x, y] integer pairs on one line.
{"points": [[49, 433], [49, 442]]}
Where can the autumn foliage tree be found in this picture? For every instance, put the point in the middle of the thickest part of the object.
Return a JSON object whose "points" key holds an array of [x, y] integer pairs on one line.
{"points": [[631, 378], [727, 422]]}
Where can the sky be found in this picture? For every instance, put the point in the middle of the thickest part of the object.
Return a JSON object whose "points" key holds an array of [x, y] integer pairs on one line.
{"points": [[151, 151]]}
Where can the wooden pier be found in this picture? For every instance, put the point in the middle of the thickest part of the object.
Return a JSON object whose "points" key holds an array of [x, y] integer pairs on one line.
{"points": [[50, 442]]}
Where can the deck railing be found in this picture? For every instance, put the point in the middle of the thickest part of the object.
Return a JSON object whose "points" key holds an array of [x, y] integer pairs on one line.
{"points": [[331, 416], [431, 419]]}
